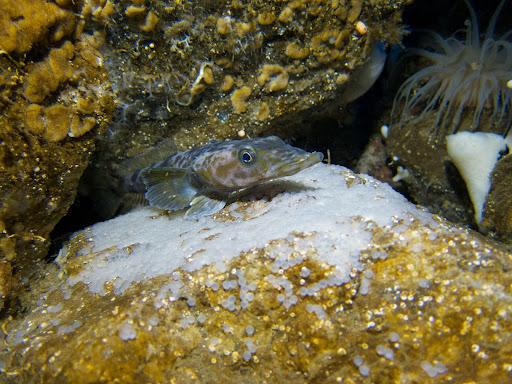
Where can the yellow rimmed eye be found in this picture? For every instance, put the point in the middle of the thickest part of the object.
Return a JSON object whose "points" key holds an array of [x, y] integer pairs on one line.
{"points": [[246, 156]]}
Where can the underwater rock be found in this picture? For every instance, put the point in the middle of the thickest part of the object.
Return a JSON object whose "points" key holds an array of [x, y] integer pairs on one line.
{"points": [[54, 99], [475, 154], [326, 276], [428, 175], [498, 209], [207, 71], [444, 96], [431, 179]]}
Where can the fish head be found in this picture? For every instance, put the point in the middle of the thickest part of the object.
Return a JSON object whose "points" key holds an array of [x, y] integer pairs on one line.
{"points": [[244, 163]]}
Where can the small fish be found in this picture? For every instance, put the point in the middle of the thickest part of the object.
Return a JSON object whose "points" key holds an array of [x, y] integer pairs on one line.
{"points": [[203, 179]]}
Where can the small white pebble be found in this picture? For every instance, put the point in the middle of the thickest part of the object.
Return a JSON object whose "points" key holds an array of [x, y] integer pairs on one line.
{"points": [[417, 247], [247, 355], [212, 345], [358, 360], [364, 370], [433, 370], [126, 332], [305, 272], [384, 131], [230, 303], [54, 308], [401, 174], [394, 337], [241, 133], [317, 310], [191, 302], [187, 321], [229, 284], [384, 351], [250, 346], [69, 328], [153, 321], [213, 286]]}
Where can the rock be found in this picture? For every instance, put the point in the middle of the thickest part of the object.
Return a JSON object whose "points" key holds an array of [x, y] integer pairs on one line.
{"points": [[205, 72], [325, 276], [432, 180], [498, 209], [440, 104], [54, 99]]}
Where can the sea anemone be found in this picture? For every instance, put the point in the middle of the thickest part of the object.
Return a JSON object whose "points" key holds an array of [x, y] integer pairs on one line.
{"points": [[473, 73]]}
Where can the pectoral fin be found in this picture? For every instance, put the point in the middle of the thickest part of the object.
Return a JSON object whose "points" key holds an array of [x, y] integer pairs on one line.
{"points": [[203, 206], [168, 188]]}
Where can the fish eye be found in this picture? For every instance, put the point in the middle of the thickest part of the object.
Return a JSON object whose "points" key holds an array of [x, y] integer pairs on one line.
{"points": [[246, 156]]}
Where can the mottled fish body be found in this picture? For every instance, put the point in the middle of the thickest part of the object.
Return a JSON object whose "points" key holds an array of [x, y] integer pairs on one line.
{"points": [[204, 178]]}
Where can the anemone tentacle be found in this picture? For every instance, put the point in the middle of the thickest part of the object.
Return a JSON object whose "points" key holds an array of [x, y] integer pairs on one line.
{"points": [[470, 72]]}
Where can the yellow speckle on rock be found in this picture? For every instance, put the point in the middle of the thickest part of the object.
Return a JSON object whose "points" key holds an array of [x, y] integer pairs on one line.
{"points": [[208, 75], [197, 89], [224, 25], [266, 18], [105, 11], [80, 127], [23, 23], [34, 118], [134, 10], [294, 51], [274, 76], [150, 22], [227, 83], [239, 99], [45, 77], [342, 78], [286, 15], [57, 122], [355, 10], [85, 105], [263, 112], [243, 29]]}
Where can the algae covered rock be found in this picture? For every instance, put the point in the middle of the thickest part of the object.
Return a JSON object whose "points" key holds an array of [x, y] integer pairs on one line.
{"points": [[431, 178], [325, 276], [441, 98], [196, 71], [498, 210], [54, 99]]}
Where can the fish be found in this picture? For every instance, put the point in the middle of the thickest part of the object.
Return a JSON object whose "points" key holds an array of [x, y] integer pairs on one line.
{"points": [[203, 179]]}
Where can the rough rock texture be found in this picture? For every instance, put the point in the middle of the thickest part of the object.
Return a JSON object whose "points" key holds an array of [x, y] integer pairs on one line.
{"points": [[184, 70], [432, 180], [195, 71], [54, 99], [498, 210], [361, 287]]}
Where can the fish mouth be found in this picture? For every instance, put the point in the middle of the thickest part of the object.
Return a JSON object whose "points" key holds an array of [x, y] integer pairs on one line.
{"points": [[298, 163]]}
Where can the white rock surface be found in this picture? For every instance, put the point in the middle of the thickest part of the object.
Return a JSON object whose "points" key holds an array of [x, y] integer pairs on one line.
{"points": [[332, 204], [475, 155]]}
